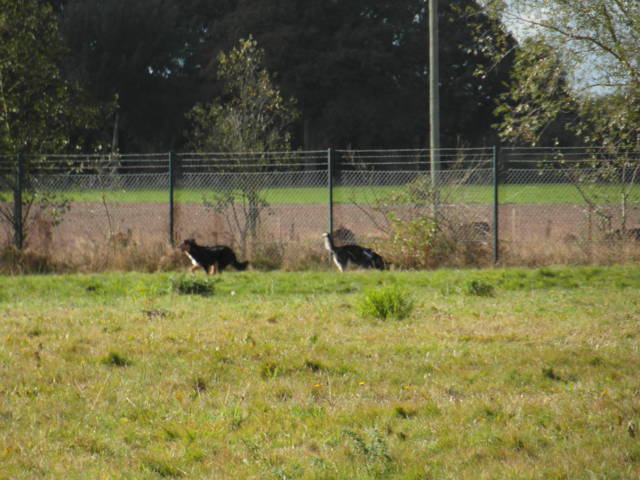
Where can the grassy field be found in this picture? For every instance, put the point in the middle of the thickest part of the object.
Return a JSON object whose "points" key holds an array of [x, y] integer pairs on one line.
{"points": [[509, 374], [522, 193]]}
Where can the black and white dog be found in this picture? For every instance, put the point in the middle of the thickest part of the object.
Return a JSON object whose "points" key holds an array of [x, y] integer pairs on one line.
{"points": [[211, 259], [360, 256]]}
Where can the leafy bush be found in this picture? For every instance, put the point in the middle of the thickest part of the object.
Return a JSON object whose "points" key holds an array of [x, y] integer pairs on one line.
{"points": [[372, 448], [386, 303], [422, 232], [411, 241]]}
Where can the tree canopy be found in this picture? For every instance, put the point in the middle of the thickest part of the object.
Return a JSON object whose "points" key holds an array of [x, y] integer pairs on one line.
{"points": [[35, 100], [539, 103], [141, 54], [595, 45], [358, 69], [598, 40]]}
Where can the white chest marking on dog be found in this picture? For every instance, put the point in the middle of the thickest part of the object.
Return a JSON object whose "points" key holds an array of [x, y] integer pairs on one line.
{"points": [[193, 260]]}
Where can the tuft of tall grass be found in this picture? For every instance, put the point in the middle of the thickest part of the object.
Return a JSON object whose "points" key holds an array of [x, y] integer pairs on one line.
{"points": [[19, 262], [192, 285], [479, 288], [387, 302], [268, 256], [114, 359]]}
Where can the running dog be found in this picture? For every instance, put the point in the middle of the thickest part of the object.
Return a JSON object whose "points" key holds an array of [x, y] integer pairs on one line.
{"points": [[211, 259], [360, 256]]}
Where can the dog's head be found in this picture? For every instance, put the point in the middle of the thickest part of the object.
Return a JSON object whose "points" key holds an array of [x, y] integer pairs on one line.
{"points": [[187, 244]]}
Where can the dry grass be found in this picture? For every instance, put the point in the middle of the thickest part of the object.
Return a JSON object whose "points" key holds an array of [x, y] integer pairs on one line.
{"points": [[132, 252], [570, 253]]}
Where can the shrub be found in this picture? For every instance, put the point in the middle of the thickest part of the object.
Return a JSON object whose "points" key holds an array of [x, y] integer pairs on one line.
{"points": [[411, 241], [386, 303]]}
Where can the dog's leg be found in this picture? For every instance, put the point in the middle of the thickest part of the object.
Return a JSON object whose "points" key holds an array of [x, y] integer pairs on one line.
{"points": [[213, 269], [192, 269]]}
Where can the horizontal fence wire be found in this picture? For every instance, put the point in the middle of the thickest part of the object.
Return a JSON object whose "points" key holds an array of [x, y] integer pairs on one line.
{"points": [[252, 162], [418, 159], [577, 157]]}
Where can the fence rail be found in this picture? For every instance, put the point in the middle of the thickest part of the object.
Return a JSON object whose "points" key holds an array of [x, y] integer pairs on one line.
{"points": [[504, 200]]}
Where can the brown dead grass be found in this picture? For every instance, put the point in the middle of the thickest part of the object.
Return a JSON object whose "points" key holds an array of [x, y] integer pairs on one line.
{"points": [[132, 252]]}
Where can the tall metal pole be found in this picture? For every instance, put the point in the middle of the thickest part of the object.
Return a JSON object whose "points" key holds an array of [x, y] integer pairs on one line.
{"points": [[172, 179], [496, 199], [434, 93], [330, 189], [18, 228]]}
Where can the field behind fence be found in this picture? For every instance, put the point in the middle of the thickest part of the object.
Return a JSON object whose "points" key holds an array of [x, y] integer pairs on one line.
{"points": [[516, 206]]}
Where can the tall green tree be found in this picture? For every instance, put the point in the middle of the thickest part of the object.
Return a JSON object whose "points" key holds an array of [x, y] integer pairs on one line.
{"points": [[35, 110], [539, 107], [357, 68], [252, 115], [39, 109], [585, 55]]}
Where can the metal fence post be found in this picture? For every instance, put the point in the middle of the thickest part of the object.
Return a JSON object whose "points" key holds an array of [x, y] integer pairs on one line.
{"points": [[172, 177], [496, 178], [18, 233], [330, 187]]}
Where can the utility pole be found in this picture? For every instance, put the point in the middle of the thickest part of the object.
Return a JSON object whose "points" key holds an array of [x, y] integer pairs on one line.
{"points": [[434, 93]]}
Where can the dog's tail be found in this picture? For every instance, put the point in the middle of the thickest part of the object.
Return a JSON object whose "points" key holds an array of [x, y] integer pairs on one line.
{"points": [[240, 266]]}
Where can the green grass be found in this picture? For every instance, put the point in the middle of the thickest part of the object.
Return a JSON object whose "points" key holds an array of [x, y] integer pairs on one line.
{"points": [[279, 375], [521, 193], [388, 302]]}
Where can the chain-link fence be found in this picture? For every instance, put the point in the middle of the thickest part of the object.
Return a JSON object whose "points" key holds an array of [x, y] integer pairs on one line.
{"points": [[517, 205], [391, 199], [570, 204], [268, 206], [71, 203]]}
